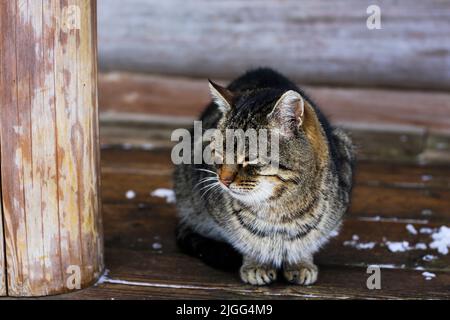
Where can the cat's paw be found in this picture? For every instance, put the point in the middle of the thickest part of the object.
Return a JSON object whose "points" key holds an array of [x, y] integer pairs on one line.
{"points": [[303, 274], [258, 275]]}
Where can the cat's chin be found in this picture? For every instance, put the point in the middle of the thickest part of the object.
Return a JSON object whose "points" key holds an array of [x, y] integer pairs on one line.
{"points": [[255, 197]]}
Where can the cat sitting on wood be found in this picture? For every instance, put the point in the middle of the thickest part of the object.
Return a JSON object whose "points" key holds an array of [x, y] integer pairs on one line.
{"points": [[266, 216]]}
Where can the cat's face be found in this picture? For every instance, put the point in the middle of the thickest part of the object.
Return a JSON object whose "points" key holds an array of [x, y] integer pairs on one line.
{"points": [[260, 179]]}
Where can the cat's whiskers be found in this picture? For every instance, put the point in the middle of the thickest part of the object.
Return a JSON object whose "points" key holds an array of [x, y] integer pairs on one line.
{"points": [[208, 188], [206, 170], [204, 180]]}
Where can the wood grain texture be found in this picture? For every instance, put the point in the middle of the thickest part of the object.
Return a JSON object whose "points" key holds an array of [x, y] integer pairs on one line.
{"points": [[187, 97], [140, 270], [314, 42], [49, 145], [3, 288]]}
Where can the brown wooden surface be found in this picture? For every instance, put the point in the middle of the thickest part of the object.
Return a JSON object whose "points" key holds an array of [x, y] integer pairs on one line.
{"points": [[187, 97], [138, 271], [388, 125], [49, 147], [313, 41], [2, 255]]}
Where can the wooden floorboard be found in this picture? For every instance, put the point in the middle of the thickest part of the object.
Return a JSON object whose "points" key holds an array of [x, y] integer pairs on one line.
{"points": [[143, 261]]}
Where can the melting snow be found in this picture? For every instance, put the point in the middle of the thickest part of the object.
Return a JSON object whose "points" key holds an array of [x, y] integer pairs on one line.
{"points": [[157, 246], [403, 246], [164, 193], [428, 275], [334, 233], [426, 230], [441, 240], [398, 246], [411, 229], [359, 245], [130, 194], [429, 257], [421, 246]]}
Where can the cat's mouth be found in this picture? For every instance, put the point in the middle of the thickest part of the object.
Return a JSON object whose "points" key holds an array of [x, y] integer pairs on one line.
{"points": [[261, 192]]}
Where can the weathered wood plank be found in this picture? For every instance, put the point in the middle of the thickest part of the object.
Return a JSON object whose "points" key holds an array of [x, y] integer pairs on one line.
{"points": [[187, 97], [139, 226], [386, 125], [392, 185], [49, 146], [150, 279], [139, 269], [381, 209], [401, 175], [334, 283], [312, 41], [3, 289]]}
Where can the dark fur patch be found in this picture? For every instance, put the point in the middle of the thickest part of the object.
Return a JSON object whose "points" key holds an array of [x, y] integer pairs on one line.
{"points": [[216, 254]]}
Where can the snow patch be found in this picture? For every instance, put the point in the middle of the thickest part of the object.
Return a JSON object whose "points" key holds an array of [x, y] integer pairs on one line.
{"points": [[354, 243], [157, 246], [403, 246], [428, 275], [398, 246], [168, 194], [441, 240], [411, 229], [130, 194], [429, 257], [334, 233], [426, 230]]}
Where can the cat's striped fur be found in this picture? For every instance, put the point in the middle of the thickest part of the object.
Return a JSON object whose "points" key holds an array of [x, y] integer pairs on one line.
{"points": [[274, 220]]}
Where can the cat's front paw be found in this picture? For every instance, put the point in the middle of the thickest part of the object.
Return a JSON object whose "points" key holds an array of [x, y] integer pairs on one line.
{"points": [[258, 275], [303, 273]]}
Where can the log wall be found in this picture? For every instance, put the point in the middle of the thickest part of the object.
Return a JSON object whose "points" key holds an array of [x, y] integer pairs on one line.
{"points": [[312, 41]]}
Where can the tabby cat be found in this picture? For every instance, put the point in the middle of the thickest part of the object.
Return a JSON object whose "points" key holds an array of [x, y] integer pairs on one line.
{"points": [[266, 219]]}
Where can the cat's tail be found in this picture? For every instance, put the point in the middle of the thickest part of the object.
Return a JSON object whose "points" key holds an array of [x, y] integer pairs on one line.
{"points": [[216, 254]]}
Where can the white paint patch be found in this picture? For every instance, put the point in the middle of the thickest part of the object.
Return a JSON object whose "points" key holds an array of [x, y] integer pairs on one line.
{"points": [[168, 194], [130, 194], [131, 97], [18, 130], [441, 240], [428, 275], [411, 229]]}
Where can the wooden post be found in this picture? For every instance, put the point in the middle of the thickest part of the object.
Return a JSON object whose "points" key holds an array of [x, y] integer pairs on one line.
{"points": [[2, 256], [49, 146]]}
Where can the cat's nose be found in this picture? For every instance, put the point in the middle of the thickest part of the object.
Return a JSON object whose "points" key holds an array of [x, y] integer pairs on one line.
{"points": [[227, 173], [226, 182]]}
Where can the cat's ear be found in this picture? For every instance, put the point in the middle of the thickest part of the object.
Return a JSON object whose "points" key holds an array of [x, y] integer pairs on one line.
{"points": [[288, 112], [221, 96]]}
